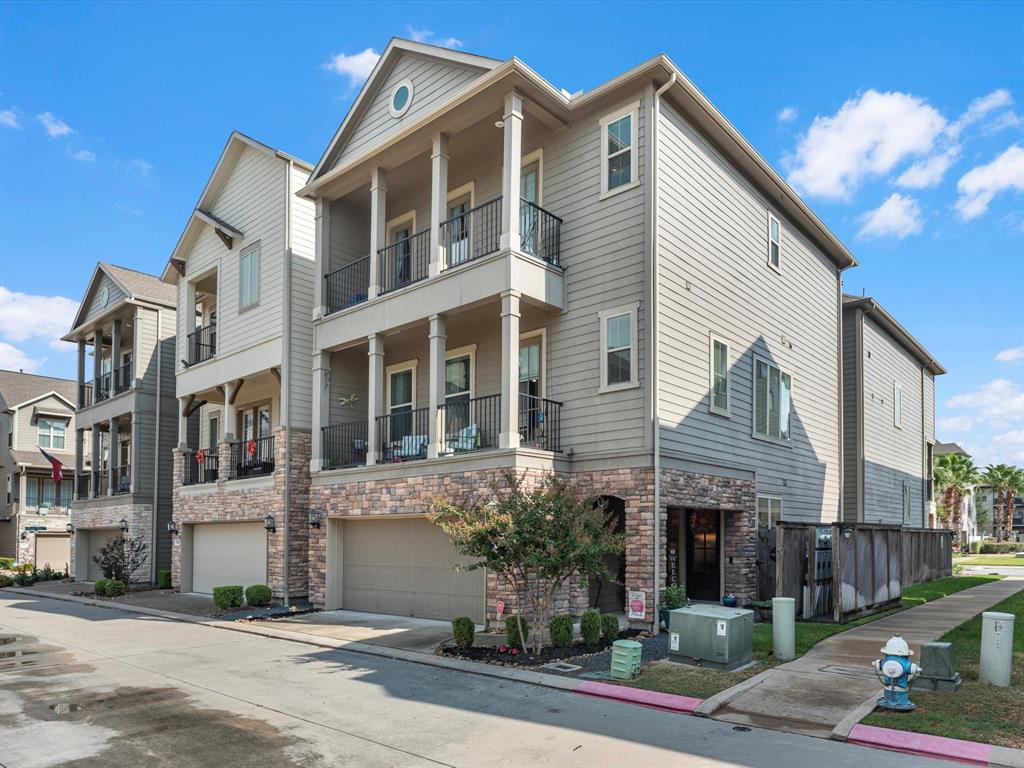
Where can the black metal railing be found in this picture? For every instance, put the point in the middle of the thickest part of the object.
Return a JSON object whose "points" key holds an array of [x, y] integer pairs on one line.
{"points": [[123, 380], [100, 482], [405, 262], [347, 286], [201, 344], [473, 234], [540, 232], [84, 395], [122, 476], [344, 445], [101, 387], [470, 423], [82, 486], [540, 423], [253, 458], [201, 466], [403, 435]]}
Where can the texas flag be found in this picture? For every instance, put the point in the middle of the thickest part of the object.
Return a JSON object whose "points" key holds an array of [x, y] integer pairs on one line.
{"points": [[57, 466]]}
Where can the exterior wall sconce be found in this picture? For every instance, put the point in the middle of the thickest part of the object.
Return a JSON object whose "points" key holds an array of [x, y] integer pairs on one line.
{"points": [[268, 523], [172, 528], [124, 525], [69, 528], [24, 535], [316, 518]]}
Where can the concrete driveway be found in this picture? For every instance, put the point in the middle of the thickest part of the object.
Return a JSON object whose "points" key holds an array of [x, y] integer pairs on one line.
{"points": [[423, 635]]}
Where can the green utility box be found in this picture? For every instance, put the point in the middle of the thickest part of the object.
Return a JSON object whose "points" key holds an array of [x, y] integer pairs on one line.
{"points": [[711, 636], [626, 659]]}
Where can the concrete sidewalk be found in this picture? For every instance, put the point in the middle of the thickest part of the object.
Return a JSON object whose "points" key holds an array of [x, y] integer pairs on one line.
{"points": [[830, 688]]}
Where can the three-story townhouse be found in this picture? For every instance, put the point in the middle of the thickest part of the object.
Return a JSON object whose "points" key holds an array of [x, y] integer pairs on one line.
{"points": [[126, 418], [243, 274], [612, 286]]}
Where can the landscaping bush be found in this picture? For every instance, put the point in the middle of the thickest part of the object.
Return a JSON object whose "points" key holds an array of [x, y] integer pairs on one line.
{"points": [[1001, 547], [5, 580], [463, 630], [512, 636], [163, 579], [7, 562], [610, 627], [100, 587], [258, 595], [590, 627], [560, 628], [25, 575], [228, 597], [116, 588], [975, 547]]}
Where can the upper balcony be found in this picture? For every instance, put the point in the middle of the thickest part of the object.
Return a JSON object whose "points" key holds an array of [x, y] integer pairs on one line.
{"points": [[113, 367]]}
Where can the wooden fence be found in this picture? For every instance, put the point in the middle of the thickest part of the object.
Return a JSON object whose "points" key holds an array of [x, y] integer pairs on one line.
{"points": [[843, 571]]}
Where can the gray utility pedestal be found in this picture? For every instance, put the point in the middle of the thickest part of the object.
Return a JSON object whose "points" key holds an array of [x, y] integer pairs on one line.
{"points": [[937, 673], [711, 636]]}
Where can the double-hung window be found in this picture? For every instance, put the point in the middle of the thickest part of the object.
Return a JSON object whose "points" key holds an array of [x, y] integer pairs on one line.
{"points": [[619, 348], [249, 278], [719, 377], [897, 405], [773, 401], [51, 434], [769, 511], [619, 150], [774, 241]]}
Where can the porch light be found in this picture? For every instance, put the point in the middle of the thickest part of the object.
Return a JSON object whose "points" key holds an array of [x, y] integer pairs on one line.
{"points": [[124, 525], [69, 528], [24, 535], [499, 123], [316, 518], [268, 523], [172, 528]]}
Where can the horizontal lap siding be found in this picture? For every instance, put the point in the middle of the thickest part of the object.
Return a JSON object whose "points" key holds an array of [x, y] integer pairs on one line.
{"points": [[146, 349], [349, 234], [714, 279], [929, 406], [28, 431], [300, 348], [95, 308], [851, 427]]}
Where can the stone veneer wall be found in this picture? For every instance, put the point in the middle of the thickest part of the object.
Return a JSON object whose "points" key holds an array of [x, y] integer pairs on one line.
{"points": [[249, 500], [140, 523]]}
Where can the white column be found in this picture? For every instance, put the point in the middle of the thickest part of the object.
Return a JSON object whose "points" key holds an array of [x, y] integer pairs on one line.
{"points": [[81, 372], [438, 199], [190, 307], [321, 406], [436, 364], [378, 225], [182, 424], [113, 455], [374, 395], [511, 170], [115, 356], [509, 437], [230, 413], [79, 458], [323, 257]]}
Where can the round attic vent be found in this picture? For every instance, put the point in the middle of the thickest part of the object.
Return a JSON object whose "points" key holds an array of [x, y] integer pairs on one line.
{"points": [[104, 296], [401, 98]]}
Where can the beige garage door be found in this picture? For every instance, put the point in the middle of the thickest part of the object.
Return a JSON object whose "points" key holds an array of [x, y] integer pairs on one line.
{"points": [[228, 553], [96, 540], [53, 550], [404, 567]]}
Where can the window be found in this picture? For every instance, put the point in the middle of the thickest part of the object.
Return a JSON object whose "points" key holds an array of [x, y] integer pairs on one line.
{"points": [[8, 489], [897, 405], [214, 435], [49, 493], [51, 434], [774, 241], [906, 503], [65, 495], [769, 511], [618, 349], [401, 388], [719, 377], [618, 151], [773, 389], [249, 278], [401, 98], [458, 376], [32, 493]]}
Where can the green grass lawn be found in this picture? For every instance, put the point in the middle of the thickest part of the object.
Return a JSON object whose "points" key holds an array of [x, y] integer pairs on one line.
{"points": [[1008, 560], [977, 712], [685, 680]]}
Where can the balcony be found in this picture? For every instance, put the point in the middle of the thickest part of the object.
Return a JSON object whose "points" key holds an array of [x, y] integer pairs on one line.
{"points": [[470, 424], [472, 235], [82, 485], [123, 379], [100, 483], [252, 458], [102, 387], [405, 262], [347, 286], [344, 445], [122, 479], [201, 345], [201, 467]]}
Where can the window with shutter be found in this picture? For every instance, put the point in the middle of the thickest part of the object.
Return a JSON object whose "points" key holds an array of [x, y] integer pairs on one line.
{"points": [[719, 377], [773, 401]]}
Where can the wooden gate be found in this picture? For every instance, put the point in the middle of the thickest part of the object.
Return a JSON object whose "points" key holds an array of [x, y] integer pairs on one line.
{"points": [[765, 564]]}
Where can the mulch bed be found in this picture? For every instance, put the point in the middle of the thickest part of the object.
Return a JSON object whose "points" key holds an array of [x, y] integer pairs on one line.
{"points": [[576, 653]]}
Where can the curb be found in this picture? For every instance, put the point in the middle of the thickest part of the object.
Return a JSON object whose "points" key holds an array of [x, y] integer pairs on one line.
{"points": [[942, 747], [712, 704], [668, 702], [842, 730]]}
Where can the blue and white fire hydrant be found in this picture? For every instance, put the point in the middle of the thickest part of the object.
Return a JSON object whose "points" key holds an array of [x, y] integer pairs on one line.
{"points": [[897, 672]]}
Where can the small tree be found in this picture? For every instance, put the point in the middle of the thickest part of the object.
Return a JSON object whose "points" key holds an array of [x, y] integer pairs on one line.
{"points": [[122, 558], [955, 474], [537, 538]]}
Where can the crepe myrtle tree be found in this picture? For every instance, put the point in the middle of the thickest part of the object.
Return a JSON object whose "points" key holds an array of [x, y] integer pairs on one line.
{"points": [[538, 537], [122, 558]]}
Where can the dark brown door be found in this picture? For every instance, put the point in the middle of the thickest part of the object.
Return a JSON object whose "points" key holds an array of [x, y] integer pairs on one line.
{"points": [[702, 556]]}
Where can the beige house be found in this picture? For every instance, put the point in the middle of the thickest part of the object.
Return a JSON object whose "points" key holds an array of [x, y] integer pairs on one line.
{"points": [[611, 285], [242, 274], [36, 412]]}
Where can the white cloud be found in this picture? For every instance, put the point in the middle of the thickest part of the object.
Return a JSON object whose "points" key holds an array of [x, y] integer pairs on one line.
{"points": [[9, 118], [13, 359], [356, 67], [426, 36], [979, 185], [84, 155], [25, 316], [139, 167], [1001, 123], [1001, 400], [867, 137], [1011, 355], [978, 108], [788, 114], [956, 424], [1007, 447], [54, 127], [928, 172], [899, 216]]}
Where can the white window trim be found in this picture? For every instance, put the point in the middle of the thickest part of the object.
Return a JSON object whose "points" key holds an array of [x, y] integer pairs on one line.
{"points": [[49, 432], [634, 362], [408, 102], [770, 498], [634, 176], [451, 354], [753, 410], [768, 242], [468, 188], [408, 365], [537, 156], [543, 333], [897, 405], [727, 411], [397, 222], [243, 252]]}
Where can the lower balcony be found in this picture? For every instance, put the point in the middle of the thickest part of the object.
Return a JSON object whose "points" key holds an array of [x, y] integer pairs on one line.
{"points": [[201, 466], [252, 458]]}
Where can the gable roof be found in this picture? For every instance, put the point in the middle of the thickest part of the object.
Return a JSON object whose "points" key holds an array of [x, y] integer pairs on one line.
{"points": [[942, 449], [137, 286], [889, 324], [201, 216], [17, 388]]}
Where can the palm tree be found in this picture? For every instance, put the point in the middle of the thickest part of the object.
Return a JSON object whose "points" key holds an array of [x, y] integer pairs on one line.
{"points": [[954, 475], [999, 477], [1014, 485]]}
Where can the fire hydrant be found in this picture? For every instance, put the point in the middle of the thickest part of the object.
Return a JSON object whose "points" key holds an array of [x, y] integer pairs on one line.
{"points": [[897, 672]]}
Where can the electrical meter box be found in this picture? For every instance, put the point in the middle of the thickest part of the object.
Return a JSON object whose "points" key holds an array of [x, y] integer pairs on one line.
{"points": [[711, 636]]}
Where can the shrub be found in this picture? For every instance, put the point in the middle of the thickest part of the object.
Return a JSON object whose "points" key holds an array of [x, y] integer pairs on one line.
{"points": [[116, 588], [590, 628], [512, 636], [463, 630], [7, 562], [227, 597], [610, 627], [675, 597], [1001, 547], [5, 580], [163, 579], [100, 587], [258, 595], [25, 575], [975, 547], [122, 558], [560, 628]]}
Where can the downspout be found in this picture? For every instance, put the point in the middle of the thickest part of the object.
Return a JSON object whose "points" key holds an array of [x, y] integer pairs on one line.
{"points": [[286, 369], [156, 453], [655, 376]]}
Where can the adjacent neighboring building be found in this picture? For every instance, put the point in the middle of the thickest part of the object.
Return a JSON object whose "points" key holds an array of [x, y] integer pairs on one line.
{"points": [[612, 286], [242, 277], [36, 412], [888, 419], [126, 417]]}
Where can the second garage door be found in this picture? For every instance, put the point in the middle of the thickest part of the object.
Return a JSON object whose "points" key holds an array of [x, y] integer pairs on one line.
{"points": [[228, 553], [96, 539], [404, 567]]}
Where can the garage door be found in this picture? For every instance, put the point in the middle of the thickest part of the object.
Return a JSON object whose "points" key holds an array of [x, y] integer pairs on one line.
{"points": [[228, 553], [404, 567], [53, 550], [96, 539]]}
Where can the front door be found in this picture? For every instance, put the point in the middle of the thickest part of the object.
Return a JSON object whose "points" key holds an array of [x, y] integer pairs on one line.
{"points": [[703, 540]]}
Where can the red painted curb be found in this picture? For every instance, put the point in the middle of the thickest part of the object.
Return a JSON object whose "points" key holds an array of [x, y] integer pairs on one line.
{"points": [[664, 701], [921, 744]]}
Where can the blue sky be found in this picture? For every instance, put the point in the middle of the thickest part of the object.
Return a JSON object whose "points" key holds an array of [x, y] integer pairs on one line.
{"points": [[901, 125]]}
